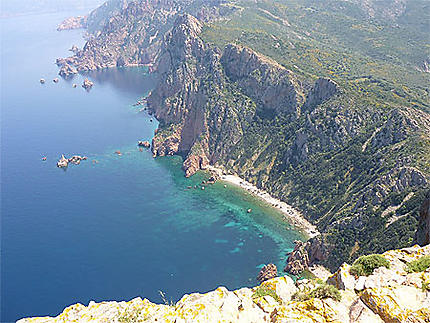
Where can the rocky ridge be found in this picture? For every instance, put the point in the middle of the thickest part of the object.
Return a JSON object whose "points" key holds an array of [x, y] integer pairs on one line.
{"points": [[130, 33], [387, 295], [225, 107]]}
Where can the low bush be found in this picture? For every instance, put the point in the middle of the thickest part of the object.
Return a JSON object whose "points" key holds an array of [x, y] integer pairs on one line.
{"points": [[263, 291], [418, 265], [326, 291], [322, 291], [365, 265]]}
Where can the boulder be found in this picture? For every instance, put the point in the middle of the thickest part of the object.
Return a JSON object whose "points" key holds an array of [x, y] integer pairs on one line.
{"points": [[342, 279], [396, 304], [267, 272]]}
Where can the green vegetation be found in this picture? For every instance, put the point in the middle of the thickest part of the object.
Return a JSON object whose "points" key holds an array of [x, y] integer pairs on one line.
{"points": [[339, 162], [375, 62], [418, 265], [322, 291], [262, 291], [365, 265]]}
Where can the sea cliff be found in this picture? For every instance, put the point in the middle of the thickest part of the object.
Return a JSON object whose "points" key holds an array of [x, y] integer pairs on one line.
{"points": [[394, 294], [347, 149]]}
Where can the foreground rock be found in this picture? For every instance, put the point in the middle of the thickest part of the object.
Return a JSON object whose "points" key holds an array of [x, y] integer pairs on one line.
{"points": [[393, 299], [73, 23]]}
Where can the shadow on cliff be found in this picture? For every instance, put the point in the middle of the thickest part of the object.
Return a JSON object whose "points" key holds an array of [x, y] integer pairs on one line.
{"points": [[133, 80]]}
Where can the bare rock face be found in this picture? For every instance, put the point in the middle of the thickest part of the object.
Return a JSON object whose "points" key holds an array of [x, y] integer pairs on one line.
{"points": [[267, 272], [194, 163], [322, 90], [422, 235], [305, 254], [264, 80], [166, 143]]}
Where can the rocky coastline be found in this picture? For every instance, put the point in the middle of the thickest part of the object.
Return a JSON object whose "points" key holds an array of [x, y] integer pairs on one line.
{"points": [[292, 135], [392, 294]]}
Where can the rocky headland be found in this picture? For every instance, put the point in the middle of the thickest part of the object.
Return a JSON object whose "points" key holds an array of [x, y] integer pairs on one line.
{"points": [[353, 162], [73, 23], [399, 293]]}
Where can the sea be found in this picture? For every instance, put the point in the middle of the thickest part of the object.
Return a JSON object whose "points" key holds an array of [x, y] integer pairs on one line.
{"points": [[116, 226]]}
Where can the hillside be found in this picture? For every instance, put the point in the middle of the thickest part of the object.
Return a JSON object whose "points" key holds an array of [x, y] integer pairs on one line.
{"points": [[323, 104]]}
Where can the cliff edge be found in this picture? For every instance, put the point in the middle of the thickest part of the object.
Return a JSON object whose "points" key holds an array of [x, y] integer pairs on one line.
{"points": [[393, 294]]}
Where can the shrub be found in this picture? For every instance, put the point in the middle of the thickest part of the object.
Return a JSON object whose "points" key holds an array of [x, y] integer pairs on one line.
{"points": [[322, 291], [418, 265], [326, 291], [365, 265], [263, 291]]}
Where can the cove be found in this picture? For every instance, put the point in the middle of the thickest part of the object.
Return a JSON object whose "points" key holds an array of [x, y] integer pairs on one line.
{"points": [[114, 227]]}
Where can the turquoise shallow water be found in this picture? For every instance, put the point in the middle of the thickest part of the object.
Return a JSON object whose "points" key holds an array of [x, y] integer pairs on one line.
{"points": [[125, 226]]}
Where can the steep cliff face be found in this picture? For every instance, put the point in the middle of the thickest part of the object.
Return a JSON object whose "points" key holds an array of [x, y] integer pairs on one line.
{"points": [[387, 295], [211, 96], [422, 236], [297, 138], [268, 84], [329, 144]]}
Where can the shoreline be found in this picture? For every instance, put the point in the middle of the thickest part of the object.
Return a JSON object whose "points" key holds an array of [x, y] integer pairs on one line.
{"points": [[291, 215]]}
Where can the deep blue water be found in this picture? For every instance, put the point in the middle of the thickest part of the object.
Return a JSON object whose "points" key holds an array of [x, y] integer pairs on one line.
{"points": [[126, 226]]}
